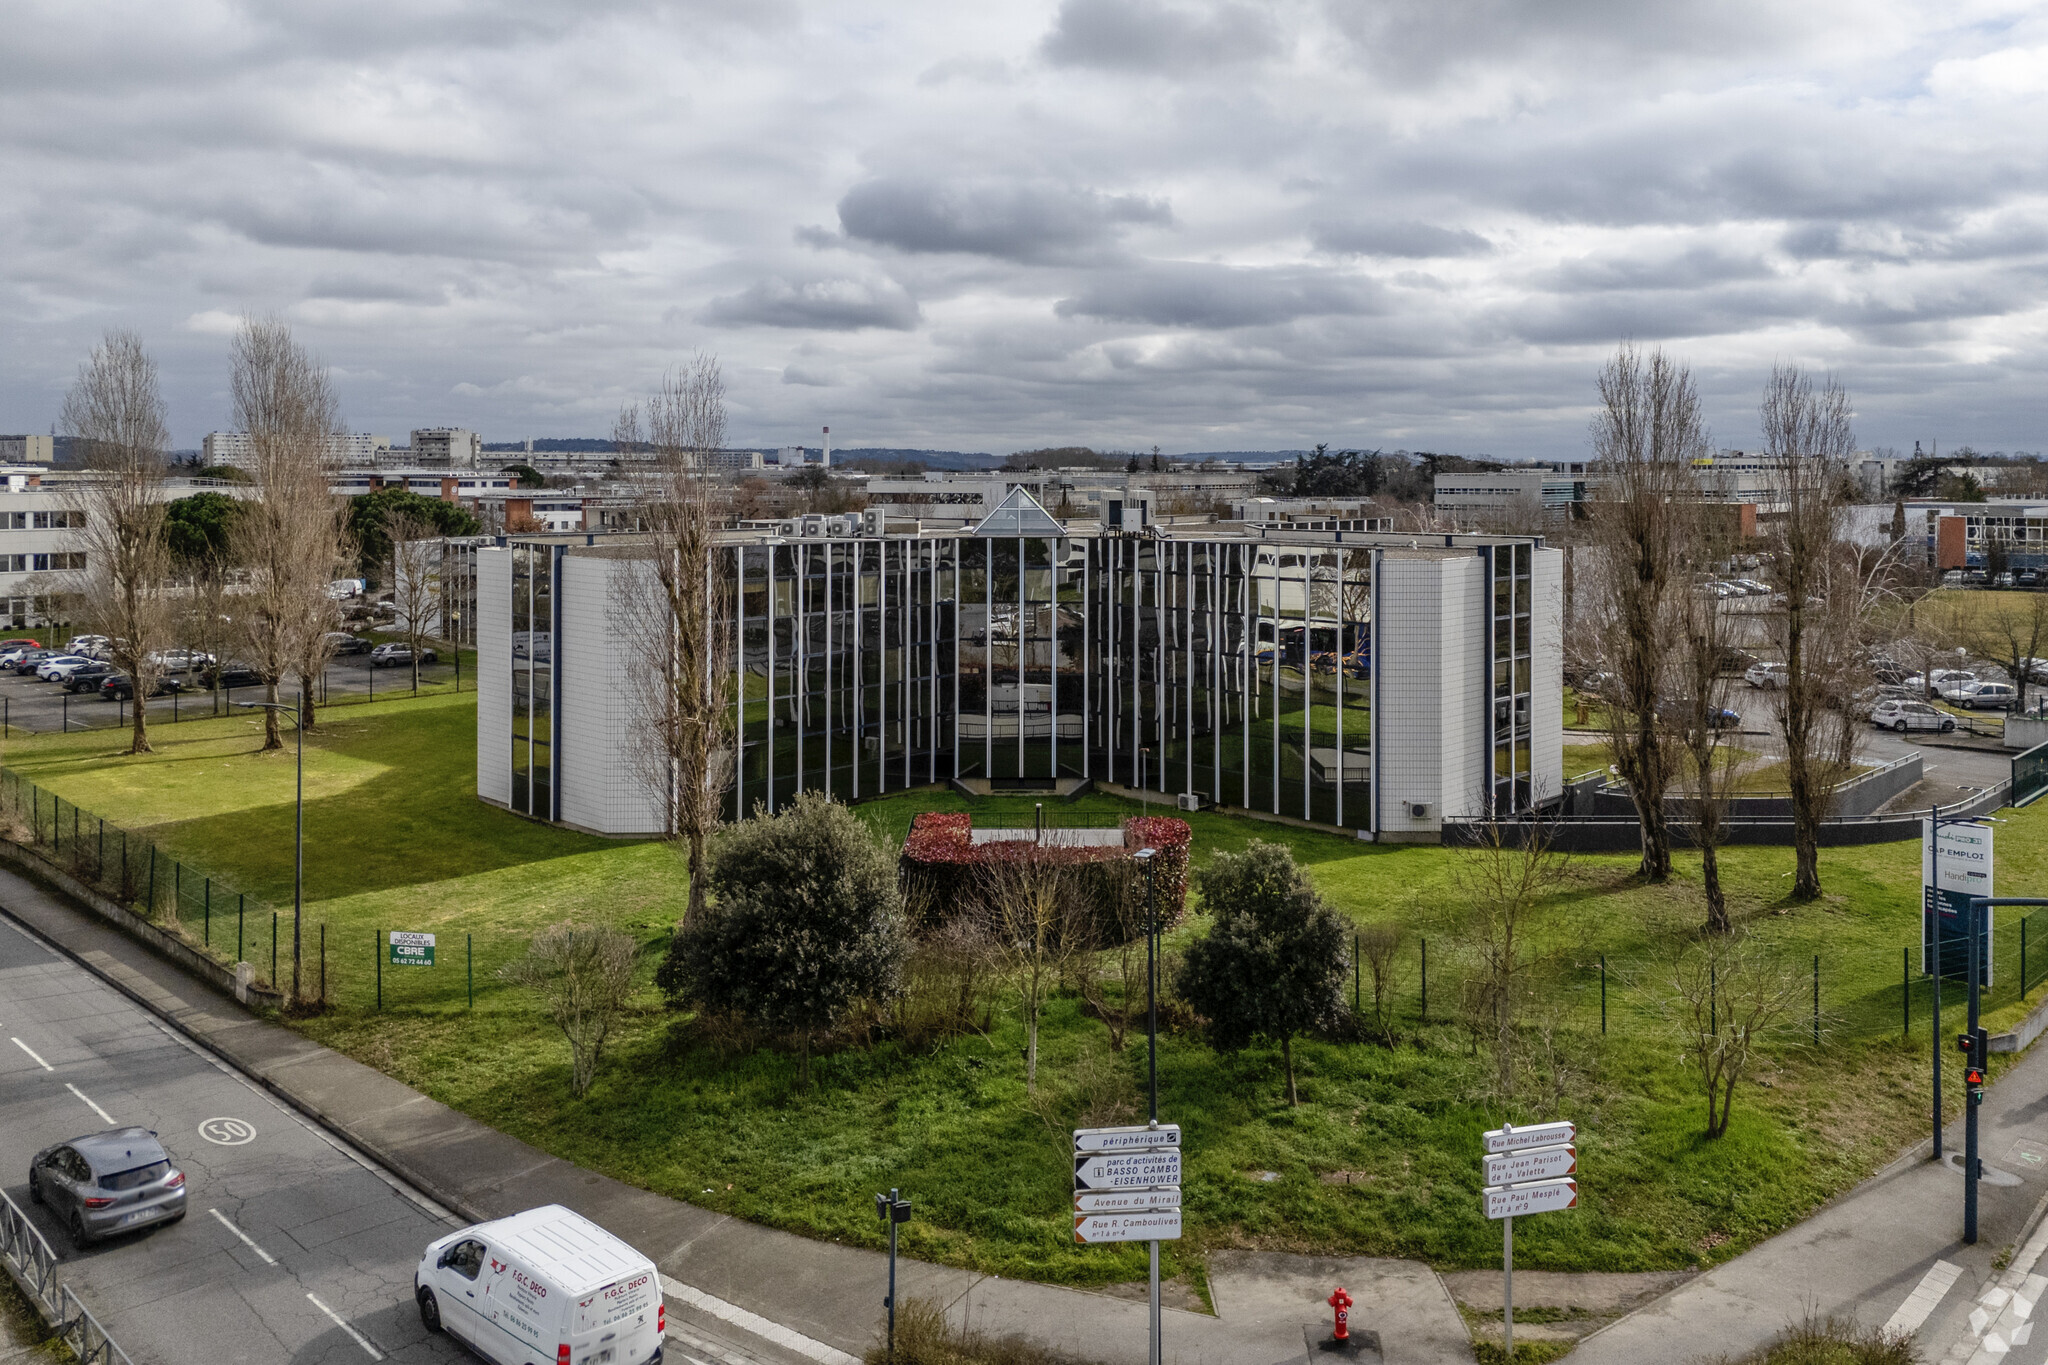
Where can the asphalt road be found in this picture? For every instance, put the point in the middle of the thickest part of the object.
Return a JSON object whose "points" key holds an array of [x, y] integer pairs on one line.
{"points": [[34, 705], [292, 1248]]}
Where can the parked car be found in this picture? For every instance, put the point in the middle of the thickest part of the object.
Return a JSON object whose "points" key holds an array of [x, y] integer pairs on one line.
{"points": [[32, 659], [545, 1284], [46, 669], [88, 676], [1935, 679], [345, 643], [1903, 714], [345, 589], [2004, 580], [120, 687], [1765, 675], [1983, 696], [388, 655], [1885, 669], [183, 660], [1952, 579], [1754, 588], [78, 644], [1733, 660], [19, 642], [231, 675], [106, 1183]]}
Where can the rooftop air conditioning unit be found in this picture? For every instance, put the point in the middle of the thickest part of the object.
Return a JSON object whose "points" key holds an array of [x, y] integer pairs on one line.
{"points": [[1190, 800], [871, 522], [840, 526], [814, 526], [1420, 810], [787, 528]]}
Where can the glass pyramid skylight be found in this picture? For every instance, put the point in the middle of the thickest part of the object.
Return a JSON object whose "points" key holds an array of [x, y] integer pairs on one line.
{"points": [[1019, 514]]}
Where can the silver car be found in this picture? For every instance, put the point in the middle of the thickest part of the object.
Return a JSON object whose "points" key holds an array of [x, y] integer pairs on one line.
{"points": [[108, 1183]]}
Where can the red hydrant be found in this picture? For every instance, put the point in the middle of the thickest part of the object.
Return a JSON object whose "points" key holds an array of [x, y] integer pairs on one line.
{"points": [[1341, 1301]]}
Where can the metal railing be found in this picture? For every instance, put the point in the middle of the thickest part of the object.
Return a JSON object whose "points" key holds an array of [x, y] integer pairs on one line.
{"points": [[34, 1267], [2029, 774]]}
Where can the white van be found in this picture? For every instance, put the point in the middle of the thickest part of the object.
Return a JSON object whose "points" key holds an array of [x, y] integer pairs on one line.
{"points": [[543, 1287]]}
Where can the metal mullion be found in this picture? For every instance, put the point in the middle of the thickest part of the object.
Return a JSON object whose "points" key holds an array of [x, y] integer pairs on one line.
{"points": [[771, 676], [1052, 710], [1023, 613], [959, 577], [1087, 649], [909, 610], [1342, 584], [1278, 651], [739, 657], [988, 662]]}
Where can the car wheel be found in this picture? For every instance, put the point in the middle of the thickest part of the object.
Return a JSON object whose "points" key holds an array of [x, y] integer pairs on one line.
{"points": [[1900, 727], [430, 1311], [1947, 726]]}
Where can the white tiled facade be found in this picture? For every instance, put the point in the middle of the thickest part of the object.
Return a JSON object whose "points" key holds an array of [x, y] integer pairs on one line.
{"points": [[597, 785], [1430, 712]]}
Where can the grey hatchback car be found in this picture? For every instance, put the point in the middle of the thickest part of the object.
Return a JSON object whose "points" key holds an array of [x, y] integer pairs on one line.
{"points": [[107, 1183]]}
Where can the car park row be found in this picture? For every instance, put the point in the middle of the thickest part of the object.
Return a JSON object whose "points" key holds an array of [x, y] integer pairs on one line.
{"points": [[82, 665]]}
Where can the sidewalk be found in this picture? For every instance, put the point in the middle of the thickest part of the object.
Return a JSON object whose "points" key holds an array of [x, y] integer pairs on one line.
{"points": [[1869, 1251], [796, 1299]]}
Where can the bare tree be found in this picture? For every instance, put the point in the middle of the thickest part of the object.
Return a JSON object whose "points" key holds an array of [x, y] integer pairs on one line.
{"points": [[1808, 441], [676, 618], [1501, 883], [584, 974], [289, 537], [1125, 912], [1728, 996], [415, 581], [1645, 439], [1935, 626], [116, 412], [1031, 899], [2013, 630], [1696, 717], [1382, 951]]}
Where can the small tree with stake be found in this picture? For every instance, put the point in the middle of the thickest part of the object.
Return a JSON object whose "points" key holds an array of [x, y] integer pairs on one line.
{"points": [[1274, 962], [585, 974], [804, 923]]}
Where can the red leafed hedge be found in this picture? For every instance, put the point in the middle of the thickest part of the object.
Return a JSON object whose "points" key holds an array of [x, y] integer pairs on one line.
{"points": [[941, 863]]}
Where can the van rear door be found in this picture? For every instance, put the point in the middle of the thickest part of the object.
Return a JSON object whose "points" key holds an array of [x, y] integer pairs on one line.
{"points": [[618, 1324]]}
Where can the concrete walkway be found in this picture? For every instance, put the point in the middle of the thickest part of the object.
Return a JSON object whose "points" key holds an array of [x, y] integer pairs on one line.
{"points": [[1888, 1241], [794, 1299]]}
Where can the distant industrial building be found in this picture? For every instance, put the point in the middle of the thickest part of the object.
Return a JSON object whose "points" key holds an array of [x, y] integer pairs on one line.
{"points": [[235, 449], [1529, 496], [28, 450]]}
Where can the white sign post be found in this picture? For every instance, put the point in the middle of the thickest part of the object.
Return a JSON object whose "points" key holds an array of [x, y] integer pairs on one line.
{"points": [[1127, 1189], [1526, 1170]]}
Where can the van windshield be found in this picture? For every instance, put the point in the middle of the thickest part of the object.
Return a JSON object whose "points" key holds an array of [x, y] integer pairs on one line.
{"points": [[616, 1302]]}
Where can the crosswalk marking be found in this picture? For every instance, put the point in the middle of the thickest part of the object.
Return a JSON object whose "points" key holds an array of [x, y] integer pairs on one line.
{"points": [[1933, 1286]]}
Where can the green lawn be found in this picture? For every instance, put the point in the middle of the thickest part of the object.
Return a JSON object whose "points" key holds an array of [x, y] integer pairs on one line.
{"points": [[1380, 1159]]}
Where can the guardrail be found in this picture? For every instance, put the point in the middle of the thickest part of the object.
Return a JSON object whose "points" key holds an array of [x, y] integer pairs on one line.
{"points": [[2029, 774], [34, 1267]]}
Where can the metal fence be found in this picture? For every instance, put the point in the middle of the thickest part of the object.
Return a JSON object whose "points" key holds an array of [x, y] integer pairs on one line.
{"points": [[2029, 774], [34, 1267], [80, 711]]}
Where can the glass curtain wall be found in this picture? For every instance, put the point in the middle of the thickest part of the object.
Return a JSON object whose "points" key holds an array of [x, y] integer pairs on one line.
{"points": [[845, 667], [1512, 669], [533, 666]]}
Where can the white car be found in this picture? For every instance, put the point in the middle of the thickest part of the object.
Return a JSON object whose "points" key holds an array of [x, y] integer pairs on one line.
{"points": [[546, 1284], [1938, 678], [1894, 713], [79, 644], [1982, 696], [181, 660], [61, 666], [1765, 675]]}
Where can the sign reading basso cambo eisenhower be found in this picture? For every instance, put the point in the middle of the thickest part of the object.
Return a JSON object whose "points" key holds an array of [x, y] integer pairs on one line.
{"points": [[1127, 1184], [411, 950]]}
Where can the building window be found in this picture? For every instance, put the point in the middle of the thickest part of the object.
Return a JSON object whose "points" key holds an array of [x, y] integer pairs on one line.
{"points": [[1513, 599], [533, 655]]}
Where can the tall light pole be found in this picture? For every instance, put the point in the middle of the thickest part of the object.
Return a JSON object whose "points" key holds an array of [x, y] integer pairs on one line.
{"points": [[298, 830]]}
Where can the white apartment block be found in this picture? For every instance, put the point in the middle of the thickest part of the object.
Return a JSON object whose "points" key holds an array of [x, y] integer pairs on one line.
{"points": [[235, 449]]}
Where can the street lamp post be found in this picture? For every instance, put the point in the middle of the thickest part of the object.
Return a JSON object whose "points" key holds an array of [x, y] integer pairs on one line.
{"points": [[298, 829]]}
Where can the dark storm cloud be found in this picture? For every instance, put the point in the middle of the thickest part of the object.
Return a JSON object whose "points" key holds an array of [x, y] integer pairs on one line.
{"points": [[832, 305], [1397, 237], [1215, 296], [1009, 222], [1143, 35]]}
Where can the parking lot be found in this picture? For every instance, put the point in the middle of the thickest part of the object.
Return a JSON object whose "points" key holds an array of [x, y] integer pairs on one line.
{"points": [[28, 703]]}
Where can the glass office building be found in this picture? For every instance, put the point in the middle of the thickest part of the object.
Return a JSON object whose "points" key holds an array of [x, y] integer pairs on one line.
{"points": [[1239, 670]]}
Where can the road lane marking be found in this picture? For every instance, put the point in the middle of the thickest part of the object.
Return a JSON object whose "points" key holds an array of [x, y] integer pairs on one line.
{"points": [[32, 1054], [1933, 1286], [335, 1318], [247, 1241], [95, 1108]]}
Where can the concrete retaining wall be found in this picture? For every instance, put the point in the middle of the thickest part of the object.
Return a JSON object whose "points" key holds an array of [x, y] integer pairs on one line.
{"points": [[166, 945], [2024, 732]]}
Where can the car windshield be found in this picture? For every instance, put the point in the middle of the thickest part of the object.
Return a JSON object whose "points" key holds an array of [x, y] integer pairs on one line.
{"points": [[135, 1179]]}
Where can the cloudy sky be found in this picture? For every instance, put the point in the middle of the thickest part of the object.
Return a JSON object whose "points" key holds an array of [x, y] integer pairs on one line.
{"points": [[1188, 223]]}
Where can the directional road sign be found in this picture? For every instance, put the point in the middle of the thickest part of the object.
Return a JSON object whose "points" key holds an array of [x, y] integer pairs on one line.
{"points": [[1126, 1201], [1139, 1139], [1158, 1225], [1538, 1163], [1535, 1135], [1544, 1196], [1130, 1171]]}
